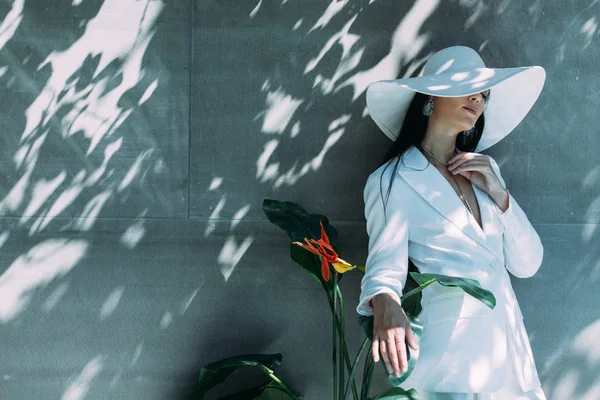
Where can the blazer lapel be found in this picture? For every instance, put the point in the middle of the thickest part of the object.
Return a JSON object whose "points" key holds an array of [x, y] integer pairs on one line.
{"points": [[437, 191]]}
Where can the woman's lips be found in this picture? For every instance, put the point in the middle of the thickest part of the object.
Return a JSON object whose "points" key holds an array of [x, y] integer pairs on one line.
{"points": [[470, 110]]}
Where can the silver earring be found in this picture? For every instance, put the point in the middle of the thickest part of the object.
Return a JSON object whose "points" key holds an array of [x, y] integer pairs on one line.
{"points": [[428, 108]]}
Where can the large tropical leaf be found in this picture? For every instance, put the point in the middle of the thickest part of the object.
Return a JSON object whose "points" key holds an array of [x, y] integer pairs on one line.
{"points": [[397, 393], [271, 391], [470, 286], [246, 394], [217, 372], [297, 222], [412, 304], [274, 392]]}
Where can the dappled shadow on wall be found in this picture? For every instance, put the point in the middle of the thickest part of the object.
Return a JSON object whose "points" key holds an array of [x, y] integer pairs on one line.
{"points": [[82, 96], [304, 115], [572, 372], [293, 147], [70, 159]]}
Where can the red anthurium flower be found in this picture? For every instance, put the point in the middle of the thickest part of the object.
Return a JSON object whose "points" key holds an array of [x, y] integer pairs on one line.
{"points": [[323, 249]]}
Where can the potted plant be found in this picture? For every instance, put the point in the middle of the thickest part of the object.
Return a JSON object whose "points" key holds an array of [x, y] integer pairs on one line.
{"points": [[312, 247]]}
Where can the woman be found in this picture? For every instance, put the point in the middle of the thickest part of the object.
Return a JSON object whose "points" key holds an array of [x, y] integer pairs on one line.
{"points": [[440, 204]]}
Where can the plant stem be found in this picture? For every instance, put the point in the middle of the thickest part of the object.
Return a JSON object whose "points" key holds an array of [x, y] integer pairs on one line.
{"points": [[346, 355], [334, 330], [367, 375], [342, 339], [416, 290], [355, 364], [280, 383]]}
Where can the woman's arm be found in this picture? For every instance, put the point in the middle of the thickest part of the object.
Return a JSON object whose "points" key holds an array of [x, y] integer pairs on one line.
{"points": [[523, 250], [387, 261]]}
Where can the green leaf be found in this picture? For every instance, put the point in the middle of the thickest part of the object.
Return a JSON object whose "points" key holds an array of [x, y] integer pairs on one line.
{"points": [[470, 286], [247, 394], [397, 394], [367, 325], [271, 391], [297, 222], [274, 392], [412, 304], [217, 372]]}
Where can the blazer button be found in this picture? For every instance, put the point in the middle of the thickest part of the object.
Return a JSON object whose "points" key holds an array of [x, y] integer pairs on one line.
{"points": [[494, 264]]}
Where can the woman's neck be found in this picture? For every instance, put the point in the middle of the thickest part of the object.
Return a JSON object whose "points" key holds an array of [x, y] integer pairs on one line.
{"points": [[441, 142]]}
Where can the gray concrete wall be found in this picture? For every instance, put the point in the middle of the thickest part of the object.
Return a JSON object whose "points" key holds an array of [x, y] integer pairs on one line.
{"points": [[140, 137]]}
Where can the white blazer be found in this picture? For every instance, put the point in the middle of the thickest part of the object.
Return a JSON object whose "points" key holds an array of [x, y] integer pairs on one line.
{"points": [[464, 343]]}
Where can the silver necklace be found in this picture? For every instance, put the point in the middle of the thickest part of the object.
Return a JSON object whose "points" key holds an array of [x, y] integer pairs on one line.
{"points": [[462, 195]]}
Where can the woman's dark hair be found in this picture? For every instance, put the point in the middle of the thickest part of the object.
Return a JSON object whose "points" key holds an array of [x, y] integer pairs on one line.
{"points": [[412, 133]]}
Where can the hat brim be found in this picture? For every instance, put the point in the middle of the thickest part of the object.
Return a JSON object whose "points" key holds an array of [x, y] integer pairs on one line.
{"points": [[515, 90]]}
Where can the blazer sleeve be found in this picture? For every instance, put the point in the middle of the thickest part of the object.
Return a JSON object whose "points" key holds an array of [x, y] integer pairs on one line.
{"points": [[386, 266], [523, 250]]}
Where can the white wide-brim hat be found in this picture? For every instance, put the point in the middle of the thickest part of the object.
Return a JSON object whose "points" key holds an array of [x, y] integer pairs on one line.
{"points": [[455, 72]]}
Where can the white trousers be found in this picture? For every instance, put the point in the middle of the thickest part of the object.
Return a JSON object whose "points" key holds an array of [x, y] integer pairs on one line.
{"points": [[510, 391]]}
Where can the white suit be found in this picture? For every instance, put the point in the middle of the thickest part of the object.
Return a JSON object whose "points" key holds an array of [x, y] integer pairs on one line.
{"points": [[464, 343]]}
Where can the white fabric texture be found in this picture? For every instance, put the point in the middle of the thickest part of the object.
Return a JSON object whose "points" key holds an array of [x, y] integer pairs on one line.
{"points": [[510, 391]]}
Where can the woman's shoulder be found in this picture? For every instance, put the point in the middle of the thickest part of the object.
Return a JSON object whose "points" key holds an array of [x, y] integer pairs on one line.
{"points": [[384, 173], [390, 167]]}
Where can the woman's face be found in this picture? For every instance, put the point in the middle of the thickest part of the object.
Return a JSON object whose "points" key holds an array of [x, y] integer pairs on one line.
{"points": [[460, 112]]}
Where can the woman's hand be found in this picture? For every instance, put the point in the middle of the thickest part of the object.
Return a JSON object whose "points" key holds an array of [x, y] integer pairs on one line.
{"points": [[391, 330], [477, 169]]}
